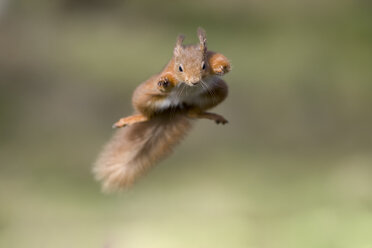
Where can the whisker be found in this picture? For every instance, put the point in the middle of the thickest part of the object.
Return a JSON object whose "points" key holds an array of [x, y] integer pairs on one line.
{"points": [[179, 95], [181, 91], [209, 90]]}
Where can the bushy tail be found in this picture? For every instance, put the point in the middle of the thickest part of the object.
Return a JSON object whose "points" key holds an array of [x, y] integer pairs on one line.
{"points": [[134, 149]]}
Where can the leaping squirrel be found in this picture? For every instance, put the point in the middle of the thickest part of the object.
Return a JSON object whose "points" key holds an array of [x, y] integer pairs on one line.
{"points": [[189, 85]]}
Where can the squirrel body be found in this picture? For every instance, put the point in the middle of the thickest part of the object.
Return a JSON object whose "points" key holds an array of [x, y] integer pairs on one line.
{"points": [[189, 85]]}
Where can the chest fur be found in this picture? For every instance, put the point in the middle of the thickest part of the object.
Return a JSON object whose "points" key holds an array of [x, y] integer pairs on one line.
{"points": [[185, 94]]}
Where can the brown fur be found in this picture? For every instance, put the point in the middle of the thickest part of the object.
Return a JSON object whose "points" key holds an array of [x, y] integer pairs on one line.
{"points": [[160, 123], [132, 150]]}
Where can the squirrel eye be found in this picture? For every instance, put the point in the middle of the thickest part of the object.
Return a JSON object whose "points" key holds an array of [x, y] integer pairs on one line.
{"points": [[180, 68], [203, 65]]}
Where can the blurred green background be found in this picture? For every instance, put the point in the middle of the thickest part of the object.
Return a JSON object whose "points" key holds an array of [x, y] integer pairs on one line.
{"points": [[293, 168]]}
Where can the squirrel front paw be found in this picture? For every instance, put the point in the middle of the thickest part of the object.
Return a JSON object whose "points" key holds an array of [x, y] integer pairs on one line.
{"points": [[164, 84], [219, 64], [221, 69]]}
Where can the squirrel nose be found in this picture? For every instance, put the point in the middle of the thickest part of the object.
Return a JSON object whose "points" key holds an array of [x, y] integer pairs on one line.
{"points": [[194, 81]]}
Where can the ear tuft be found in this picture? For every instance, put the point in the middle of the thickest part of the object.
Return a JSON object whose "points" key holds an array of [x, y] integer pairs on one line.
{"points": [[178, 46], [202, 39]]}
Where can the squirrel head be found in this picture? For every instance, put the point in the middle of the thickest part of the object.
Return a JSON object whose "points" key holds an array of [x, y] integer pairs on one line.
{"points": [[190, 60]]}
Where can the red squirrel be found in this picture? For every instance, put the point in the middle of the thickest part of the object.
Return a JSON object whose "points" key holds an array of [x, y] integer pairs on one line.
{"points": [[189, 85]]}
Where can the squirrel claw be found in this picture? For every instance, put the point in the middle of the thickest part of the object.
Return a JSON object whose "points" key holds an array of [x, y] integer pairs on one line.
{"points": [[163, 83], [221, 120], [118, 125], [222, 69]]}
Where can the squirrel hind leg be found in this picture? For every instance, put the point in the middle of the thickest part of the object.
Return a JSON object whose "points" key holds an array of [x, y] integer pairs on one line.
{"points": [[129, 120], [207, 115]]}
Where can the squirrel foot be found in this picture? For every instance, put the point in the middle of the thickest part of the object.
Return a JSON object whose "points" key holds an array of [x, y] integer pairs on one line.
{"points": [[220, 119], [129, 121], [211, 116]]}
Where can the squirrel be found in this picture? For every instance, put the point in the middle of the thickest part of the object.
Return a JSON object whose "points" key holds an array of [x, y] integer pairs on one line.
{"points": [[189, 85]]}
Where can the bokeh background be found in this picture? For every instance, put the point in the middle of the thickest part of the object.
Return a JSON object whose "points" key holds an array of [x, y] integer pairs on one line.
{"points": [[293, 168]]}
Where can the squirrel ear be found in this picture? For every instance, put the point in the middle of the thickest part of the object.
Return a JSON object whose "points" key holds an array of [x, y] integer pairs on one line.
{"points": [[202, 38], [178, 46]]}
